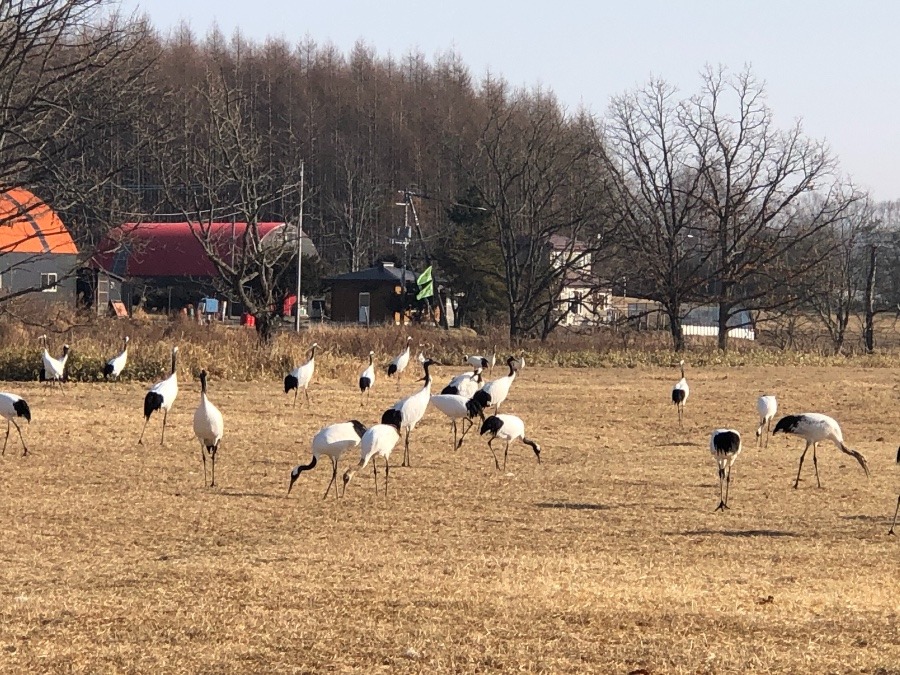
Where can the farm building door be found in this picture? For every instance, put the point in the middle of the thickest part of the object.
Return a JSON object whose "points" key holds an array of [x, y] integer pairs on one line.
{"points": [[365, 302], [102, 294]]}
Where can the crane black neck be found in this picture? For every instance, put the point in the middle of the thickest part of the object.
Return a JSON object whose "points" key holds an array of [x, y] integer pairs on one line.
{"points": [[174, 360], [202, 381]]}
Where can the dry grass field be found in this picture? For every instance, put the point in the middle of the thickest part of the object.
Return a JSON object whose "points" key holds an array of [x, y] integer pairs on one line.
{"points": [[606, 558]]}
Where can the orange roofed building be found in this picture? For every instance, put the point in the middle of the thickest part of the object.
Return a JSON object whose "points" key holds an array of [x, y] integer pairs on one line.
{"points": [[36, 250]]}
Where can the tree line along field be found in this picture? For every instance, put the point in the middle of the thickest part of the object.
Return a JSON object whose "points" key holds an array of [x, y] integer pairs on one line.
{"points": [[607, 557]]}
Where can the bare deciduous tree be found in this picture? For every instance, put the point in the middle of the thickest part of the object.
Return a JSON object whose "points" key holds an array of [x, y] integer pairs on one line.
{"points": [[758, 184], [659, 194], [228, 176], [535, 173]]}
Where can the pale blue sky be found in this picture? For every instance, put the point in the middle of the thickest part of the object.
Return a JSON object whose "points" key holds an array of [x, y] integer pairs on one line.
{"points": [[833, 64]]}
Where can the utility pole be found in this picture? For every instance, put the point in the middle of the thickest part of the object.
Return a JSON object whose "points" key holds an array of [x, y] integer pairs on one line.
{"points": [[299, 251], [403, 239]]}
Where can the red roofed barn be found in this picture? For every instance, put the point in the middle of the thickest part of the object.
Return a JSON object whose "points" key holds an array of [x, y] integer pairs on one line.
{"points": [[168, 255]]}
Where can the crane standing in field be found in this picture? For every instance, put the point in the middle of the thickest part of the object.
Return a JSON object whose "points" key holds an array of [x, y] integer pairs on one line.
{"points": [[11, 408], [53, 370], [398, 363], [680, 393], [465, 384], [725, 446], [498, 389], [115, 366], [412, 409], [332, 441], [379, 440], [815, 428], [209, 426], [161, 396], [507, 428], [366, 381], [767, 406], [300, 377], [457, 407]]}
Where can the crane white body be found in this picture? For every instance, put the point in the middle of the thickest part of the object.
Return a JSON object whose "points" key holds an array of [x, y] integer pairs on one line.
{"points": [[366, 380], [815, 428], [399, 363], [412, 409], [680, 393], [458, 408], [724, 446], [767, 407], [209, 427], [507, 428], [13, 407], [465, 384], [116, 365], [161, 396], [378, 441], [477, 361], [52, 369], [301, 376], [332, 442]]}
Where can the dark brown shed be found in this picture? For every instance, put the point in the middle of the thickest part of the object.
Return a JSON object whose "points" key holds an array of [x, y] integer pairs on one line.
{"points": [[369, 296]]}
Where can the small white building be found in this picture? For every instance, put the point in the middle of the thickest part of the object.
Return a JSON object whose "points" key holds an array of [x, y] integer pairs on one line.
{"points": [[580, 298]]}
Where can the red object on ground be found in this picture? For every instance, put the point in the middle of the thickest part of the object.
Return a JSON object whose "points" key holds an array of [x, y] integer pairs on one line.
{"points": [[248, 320]]}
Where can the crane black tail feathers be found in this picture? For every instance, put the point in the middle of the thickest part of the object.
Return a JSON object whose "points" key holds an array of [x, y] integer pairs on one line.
{"points": [[290, 382], [856, 455], [449, 390], [107, 370], [898, 455], [358, 427], [474, 408], [677, 396], [391, 369], [22, 409], [392, 417], [152, 403], [364, 383], [491, 425], [482, 398]]}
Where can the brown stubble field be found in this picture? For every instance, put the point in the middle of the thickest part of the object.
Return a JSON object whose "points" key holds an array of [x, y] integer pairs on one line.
{"points": [[608, 557]]}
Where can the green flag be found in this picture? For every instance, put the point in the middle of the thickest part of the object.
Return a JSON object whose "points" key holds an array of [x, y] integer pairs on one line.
{"points": [[424, 278], [426, 291], [425, 284]]}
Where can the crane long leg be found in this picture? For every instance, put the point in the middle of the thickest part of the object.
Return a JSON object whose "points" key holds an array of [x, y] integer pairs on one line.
{"points": [[727, 484], [465, 431], [387, 471], [406, 449], [816, 465], [162, 441], [491, 448], [21, 438], [296, 391], [306, 391], [680, 421], [203, 457], [768, 430], [505, 453], [333, 479], [453, 426], [721, 505], [213, 453], [8, 423], [141, 439], [375, 472], [894, 522], [797, 482]]}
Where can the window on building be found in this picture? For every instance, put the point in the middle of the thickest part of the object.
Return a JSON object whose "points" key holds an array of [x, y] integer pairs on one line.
{"points": [[48, 282], [575, 304]]}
